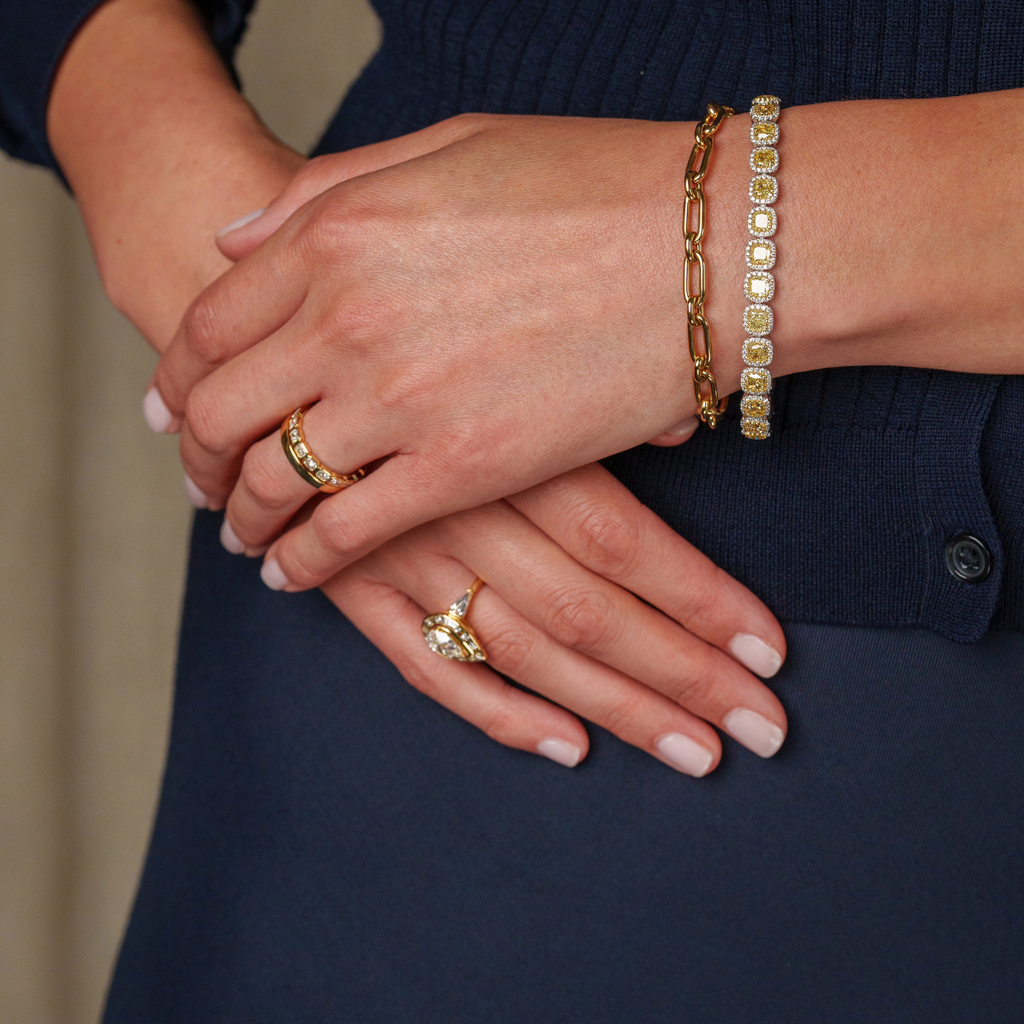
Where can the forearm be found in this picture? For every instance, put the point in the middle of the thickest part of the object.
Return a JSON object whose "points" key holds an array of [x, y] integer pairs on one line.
{"points": [[161, 151], [900, 235]]}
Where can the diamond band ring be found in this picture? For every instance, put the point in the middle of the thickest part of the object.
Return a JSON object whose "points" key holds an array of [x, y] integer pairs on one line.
{"points": [[447, 633], [306, 464]]}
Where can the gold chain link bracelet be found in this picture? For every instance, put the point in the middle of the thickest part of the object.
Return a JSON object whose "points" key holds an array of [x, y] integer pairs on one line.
{"points": [[705, 388]]}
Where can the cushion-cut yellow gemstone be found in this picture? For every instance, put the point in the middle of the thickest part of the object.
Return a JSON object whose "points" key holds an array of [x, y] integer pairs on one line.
{"points": [[765, 106], [762, 221], [759, 287], [756, 428], [764, 133], [756, 380], [757, 320], [764, 189], [755, 405], [760, 254], [765, 160], [757, 351]]}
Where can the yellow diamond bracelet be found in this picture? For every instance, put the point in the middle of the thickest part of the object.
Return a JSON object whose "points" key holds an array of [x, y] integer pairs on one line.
{"points": [[759, 284]]}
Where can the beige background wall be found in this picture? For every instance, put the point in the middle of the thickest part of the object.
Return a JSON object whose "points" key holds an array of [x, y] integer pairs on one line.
{"points": [[93, 528]]}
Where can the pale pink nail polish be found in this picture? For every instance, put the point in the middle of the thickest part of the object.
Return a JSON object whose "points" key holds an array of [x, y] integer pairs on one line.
{"points": [[240, 223], [197, 499], [561, 751], [230, 540], [158, 417], [754, 731], [751, 651], [272, 575], [685, 754]]}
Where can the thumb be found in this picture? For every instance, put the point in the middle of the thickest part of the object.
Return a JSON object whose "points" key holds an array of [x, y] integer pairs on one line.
{"points": [[676, 435], [235, 242]]}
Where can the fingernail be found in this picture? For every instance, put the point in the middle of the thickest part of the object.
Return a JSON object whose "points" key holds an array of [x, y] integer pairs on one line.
{"points": [[158, 416], [684, 429], [231, 543], [240, 223], [754, 731], [685, 754], [560, 751], [762, 659], [272, 575], [195, 496]]}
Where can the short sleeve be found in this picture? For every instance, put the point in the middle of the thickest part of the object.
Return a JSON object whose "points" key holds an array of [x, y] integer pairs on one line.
{"points": [[33, 37]]}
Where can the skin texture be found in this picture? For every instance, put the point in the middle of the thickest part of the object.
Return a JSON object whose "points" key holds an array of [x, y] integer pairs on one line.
{"points": [[161, 153], [495, 300]]}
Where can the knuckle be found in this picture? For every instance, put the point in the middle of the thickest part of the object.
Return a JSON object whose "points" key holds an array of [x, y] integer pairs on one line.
{"points": [[609, 539], [205, 419], [328, 232], [344, 222], [265, 483], [336, 533], [706, 601], [420, 678], [204, 330], [509, 648], [501, 725], [366, 316], [579, 618], [693, 687], [459, 451], [401, 388], [623, 716]]}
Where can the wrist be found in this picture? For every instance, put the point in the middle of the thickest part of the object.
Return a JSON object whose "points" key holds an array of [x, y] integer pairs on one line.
{"points": [[161, 151], [894, 235]]}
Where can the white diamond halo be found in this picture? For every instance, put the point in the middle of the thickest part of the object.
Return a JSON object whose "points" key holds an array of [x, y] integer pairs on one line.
{"points": [[448, 635]]}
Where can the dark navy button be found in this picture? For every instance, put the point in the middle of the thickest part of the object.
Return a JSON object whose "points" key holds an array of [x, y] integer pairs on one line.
{"points": [[968, 559]]}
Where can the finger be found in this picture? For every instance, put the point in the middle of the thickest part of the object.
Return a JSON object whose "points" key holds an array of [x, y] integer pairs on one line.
{"points": [[391, 621], [244, 401], [407, 490], [257, 296], [243, 306], [269, 491], [520, 650], [585, 612], [594, 518], [241, 238]]}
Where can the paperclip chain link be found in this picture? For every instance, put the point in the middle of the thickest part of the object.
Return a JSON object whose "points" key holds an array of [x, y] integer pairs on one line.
{"points": [[705, 388]]}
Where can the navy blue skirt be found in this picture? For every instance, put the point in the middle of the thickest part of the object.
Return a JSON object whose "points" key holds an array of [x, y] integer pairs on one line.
{"points": [[333, 846]]}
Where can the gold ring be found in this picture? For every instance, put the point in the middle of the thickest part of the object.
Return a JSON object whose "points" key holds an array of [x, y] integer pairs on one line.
{"points": [[306, 464], [448, 634]]}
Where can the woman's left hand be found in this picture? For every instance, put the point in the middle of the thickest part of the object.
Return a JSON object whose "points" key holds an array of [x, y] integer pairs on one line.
{"points": [[500, 304]]}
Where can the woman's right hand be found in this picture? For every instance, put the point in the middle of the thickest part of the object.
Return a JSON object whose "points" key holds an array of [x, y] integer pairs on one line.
{"points": [[562, 563]]}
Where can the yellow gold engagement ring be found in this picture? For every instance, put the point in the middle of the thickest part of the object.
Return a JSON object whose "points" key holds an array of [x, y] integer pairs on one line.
{"points": [[306, 464], [447, 633]]}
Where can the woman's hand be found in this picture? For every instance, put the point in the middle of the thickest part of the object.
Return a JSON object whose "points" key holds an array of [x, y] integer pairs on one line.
{"points": [[500, 307], [504, 303], [557, 616]]}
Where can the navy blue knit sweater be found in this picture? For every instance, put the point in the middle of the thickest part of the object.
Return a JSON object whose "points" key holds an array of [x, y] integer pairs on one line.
{"points": [[843, 515]]}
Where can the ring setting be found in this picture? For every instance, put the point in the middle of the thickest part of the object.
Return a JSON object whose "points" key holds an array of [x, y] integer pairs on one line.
{"points": [[447, 634], [306, 464]]}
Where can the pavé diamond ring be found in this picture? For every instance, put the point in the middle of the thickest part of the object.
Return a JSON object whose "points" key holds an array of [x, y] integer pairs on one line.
{"points": [[306, 464], [447, 633]]}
